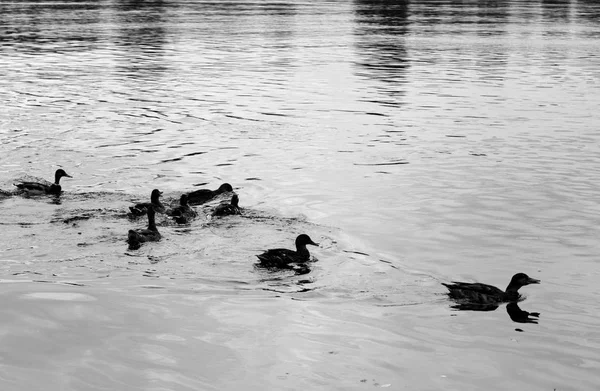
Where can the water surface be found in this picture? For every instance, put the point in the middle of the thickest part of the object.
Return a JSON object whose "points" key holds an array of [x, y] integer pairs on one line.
{"points": [[418, 142]]}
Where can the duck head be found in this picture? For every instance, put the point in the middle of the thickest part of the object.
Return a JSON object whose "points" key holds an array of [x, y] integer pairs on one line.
{"points": [[155, 195], [59, 174], [522, 279], [225, 187], [303, 240], [183, 201]]}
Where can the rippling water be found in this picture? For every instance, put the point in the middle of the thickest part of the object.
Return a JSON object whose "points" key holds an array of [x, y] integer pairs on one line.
{"points": [[419, 142]]}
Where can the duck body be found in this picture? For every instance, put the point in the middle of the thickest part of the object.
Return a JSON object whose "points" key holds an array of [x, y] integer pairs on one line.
{"points": [[141, 209], [44, 188], [484, 294], [135, 238], [227, 209], [202, 196], [282, 257], [184, 212]]}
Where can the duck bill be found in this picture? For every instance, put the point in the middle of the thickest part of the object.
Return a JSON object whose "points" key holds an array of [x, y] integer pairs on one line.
{"points": [[313, 243], [533, 281], [67, 175]]}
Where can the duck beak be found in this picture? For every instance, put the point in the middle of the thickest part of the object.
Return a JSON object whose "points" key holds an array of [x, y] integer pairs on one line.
{"points": [[67, 175], [313, 243], [532, 281]]}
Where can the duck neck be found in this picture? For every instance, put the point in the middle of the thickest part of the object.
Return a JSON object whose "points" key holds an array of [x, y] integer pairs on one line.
{"points": [[512, 290], [302, 251], [57, 179], [151, 222], [155, 201], [54, 189]]}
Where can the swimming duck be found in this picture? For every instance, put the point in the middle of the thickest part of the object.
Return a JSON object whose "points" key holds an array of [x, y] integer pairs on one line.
{"points": [[183, 213], [282, 257], [47, 188], [203, 195], [228, 209], [150, 234], [483, 294], [142, 208]]}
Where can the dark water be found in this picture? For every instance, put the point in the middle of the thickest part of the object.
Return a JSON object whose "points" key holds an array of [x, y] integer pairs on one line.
{"points": [[418, 142]]}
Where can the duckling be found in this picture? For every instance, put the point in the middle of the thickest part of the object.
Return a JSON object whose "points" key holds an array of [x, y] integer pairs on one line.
{"points": [[150, 234], [183, 213], [142, 208], [203, 195], [228, 209], [483, 294], [47, 188], [281, 257]]}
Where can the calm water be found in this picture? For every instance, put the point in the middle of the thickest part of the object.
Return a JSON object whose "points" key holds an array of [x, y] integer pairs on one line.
{"points": [[419, 142]]}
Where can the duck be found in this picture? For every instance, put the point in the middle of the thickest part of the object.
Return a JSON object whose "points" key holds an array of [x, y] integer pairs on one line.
{"points": [[135, 238], [226, 209], [203, 195], [282, 257], [488, 295], [45, 188], [142, 208], [183, 213]]}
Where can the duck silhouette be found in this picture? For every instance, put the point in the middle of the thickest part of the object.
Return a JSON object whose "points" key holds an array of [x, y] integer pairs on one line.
{"points": [[184, 212], [141, 209], [135, 238], [230, 208], [201, 196], [44, 188], [282, 257], [468, 294]]}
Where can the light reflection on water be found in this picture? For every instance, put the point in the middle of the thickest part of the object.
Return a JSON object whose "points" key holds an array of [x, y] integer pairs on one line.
{"points": [[420, 142]]}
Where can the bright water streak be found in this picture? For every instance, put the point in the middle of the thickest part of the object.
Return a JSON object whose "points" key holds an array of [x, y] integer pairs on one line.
{"points": [[419, 142]]}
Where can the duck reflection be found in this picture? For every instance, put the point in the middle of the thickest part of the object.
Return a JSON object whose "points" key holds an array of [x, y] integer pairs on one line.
{"points": [[381, 27], [520, 316], [514, 311], [142, 37]]}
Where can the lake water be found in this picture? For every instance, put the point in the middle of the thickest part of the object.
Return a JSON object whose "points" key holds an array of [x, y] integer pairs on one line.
{"points": [[419, 142]]}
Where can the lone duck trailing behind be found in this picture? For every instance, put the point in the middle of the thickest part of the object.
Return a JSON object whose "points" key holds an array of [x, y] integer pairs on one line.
{"points": [[204, 195], [45, 188], [150, 234], [282, 257], [183, 213], [226, 209], [142, 208], [485, 295]]}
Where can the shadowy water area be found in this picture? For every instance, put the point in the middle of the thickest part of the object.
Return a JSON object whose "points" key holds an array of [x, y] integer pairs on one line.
{"points": [[418, 142]]}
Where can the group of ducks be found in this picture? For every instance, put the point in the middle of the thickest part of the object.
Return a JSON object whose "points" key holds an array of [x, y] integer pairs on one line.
{"points": [[467, 295], [183, 214]]}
